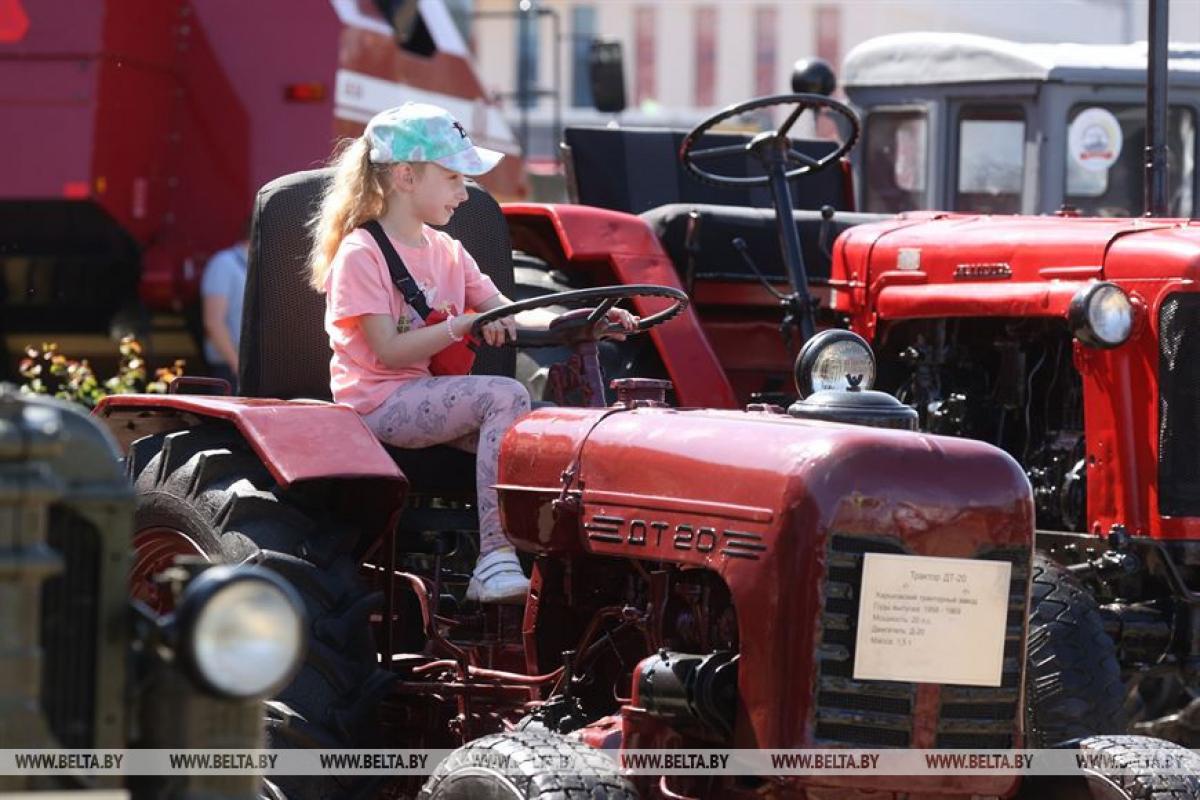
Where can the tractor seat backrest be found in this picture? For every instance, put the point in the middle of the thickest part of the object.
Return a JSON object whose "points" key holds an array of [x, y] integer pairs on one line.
{"points": [[637, 169], [718, 259], [284, 350]]}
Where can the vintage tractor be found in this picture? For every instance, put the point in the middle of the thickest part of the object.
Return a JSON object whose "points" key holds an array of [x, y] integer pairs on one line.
{"points": [[82, 669], [698, 576]]}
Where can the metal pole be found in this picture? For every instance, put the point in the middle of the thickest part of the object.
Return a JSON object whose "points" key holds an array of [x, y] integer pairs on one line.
{"points": [[1156, 112], [556, 130], [523, 73]]}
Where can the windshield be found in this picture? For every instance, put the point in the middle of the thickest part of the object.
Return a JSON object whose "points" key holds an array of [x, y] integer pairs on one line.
{"points": [[991, 161], [896, 142], [1105, 174]]}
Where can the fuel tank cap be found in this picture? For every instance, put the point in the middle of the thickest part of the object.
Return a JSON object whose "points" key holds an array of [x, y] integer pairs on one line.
{"points": [[856, 406]]}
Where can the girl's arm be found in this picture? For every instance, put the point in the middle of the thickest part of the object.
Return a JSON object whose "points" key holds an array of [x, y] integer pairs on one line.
{"points": [[398, 350]]}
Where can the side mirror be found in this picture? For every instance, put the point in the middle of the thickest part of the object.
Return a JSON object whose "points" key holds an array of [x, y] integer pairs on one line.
{"points": [[606, 69], [405, 18], [813, 76]]}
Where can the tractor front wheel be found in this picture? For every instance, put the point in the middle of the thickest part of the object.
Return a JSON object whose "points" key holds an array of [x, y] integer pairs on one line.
{"points": [[527, 765]]}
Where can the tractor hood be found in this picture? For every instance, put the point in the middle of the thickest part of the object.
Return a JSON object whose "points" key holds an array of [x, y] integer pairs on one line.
{"points": [[926, 265], [772, 505]]}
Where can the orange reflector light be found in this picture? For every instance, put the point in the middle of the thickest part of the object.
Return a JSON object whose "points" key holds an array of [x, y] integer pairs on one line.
{"points": [[304, 92]]}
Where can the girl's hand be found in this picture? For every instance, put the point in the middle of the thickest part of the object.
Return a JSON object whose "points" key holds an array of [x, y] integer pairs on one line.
{"points": [[494, 333], [620, 316]]}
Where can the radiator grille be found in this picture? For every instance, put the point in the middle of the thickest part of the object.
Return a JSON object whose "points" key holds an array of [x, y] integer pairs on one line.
{"points": [[850, 713], [70, 619], [984, 717], [1179, 406]]}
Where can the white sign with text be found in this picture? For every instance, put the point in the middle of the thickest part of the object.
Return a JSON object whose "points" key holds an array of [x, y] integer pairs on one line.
{"points": [[932, 620]]}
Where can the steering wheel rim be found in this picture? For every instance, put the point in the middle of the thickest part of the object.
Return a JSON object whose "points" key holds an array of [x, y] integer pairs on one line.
{"points": [[808, 164], [536, 337]]}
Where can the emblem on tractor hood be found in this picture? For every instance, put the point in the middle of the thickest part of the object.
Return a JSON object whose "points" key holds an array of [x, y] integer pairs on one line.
{"points": [[678, 536]]}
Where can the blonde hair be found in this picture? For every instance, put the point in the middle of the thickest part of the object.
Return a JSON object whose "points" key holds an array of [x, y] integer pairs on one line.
{"points": [[357, 193]]}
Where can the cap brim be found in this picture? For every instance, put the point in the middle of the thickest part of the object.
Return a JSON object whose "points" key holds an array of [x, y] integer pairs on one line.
{"points": [[472, 161]]}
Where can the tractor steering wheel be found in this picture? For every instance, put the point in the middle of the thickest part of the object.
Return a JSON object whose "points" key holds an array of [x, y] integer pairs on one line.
{"points": [[770, 147], [581, 326]]}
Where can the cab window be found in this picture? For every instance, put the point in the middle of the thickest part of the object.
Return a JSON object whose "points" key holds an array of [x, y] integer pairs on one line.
{"points": [[991, 160], [896, 144], [1105, 171]]}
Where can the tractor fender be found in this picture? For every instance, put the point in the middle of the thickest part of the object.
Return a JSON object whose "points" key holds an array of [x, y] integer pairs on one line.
{"points": [[297, 440], [582, 237]]}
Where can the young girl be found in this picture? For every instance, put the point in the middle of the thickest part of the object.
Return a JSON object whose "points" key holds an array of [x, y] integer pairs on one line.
{"points": [[406, 171]]}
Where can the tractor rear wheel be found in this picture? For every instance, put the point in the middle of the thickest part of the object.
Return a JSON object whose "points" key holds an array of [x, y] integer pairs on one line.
{"points": [[527, 765], [1073, 680], [204, 487]]}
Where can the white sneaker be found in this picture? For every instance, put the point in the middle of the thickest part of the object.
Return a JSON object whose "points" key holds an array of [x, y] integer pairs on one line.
{"points": [[498, 579]]}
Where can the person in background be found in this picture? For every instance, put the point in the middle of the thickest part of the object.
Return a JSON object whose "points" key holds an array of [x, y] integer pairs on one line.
{"points": [[221, 291]]}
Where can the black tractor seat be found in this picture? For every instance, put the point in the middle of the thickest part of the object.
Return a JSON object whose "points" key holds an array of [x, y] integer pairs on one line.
{"points": [[717, 259], [440, 470]]}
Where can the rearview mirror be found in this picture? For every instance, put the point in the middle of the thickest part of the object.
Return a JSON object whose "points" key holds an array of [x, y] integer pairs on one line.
{"points": [[606, 68]]}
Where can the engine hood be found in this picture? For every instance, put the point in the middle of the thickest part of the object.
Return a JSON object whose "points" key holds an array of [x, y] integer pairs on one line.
{"points": [[947, 265], [756, 498]]}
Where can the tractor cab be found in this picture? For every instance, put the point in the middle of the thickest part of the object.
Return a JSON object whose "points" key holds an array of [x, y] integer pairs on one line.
{"points": [[982, 125]]}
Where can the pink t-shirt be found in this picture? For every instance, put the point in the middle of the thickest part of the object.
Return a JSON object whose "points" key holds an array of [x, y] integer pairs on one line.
{"points": [[359, 284]]}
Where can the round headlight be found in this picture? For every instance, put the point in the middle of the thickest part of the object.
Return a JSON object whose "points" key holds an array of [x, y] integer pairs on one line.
{"points": [[834, 360], [1101, 315], [241, 631]]}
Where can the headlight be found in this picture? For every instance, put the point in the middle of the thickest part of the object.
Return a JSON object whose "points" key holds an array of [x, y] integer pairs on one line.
{"points": [[1101, 315], [241, 631], [834, 360]]}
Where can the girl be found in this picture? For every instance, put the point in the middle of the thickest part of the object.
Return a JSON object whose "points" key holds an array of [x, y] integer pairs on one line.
{"points": [[406, 171]]}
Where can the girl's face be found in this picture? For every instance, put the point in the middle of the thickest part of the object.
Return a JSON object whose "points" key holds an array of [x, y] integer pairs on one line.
{"points": [[434, 190]]}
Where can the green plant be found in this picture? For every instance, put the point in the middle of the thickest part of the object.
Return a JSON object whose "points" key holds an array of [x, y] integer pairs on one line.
{"points": [[47, 371]]}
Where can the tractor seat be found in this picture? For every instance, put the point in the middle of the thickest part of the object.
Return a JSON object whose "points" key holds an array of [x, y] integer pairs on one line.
{"points": [[284, 348], [440, 469], [719, 225]]}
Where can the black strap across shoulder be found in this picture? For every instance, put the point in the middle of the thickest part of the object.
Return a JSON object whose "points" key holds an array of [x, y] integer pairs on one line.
{"points": [[400, 274]]}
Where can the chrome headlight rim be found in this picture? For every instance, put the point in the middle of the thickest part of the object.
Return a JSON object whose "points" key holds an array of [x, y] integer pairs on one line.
{"points": [[198, 601], [819, 347], [1086, 304]]}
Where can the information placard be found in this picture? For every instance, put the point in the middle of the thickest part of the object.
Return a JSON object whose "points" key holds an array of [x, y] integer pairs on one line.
{"points": [[932, 620]]}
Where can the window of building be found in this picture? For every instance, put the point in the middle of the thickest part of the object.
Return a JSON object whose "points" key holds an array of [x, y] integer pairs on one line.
{"points": [[527, 60], [894, 154], [829, 33], [705, 87], [1105, 171], [583, 31], [645, 85], [991, 160], [766, 22]]}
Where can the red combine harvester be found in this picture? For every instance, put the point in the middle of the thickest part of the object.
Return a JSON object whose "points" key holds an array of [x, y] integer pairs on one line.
{"points": [[136, 132], [701, 576]]}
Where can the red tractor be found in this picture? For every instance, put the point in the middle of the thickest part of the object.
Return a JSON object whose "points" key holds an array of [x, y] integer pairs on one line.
{"points": [[700, 577]]}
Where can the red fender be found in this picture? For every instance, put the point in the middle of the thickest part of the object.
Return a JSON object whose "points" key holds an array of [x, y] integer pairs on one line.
{"points": [[626, 245], [297, 440]]}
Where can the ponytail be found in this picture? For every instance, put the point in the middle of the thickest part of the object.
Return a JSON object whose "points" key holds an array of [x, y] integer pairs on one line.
{"points": [[357, 193]]}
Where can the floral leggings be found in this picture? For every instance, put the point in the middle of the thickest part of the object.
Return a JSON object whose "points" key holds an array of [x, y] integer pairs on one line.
{"points": [[470, 412]]}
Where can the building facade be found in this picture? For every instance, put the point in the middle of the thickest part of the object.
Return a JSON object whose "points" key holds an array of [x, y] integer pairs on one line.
{"points": [[685, 58]]}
